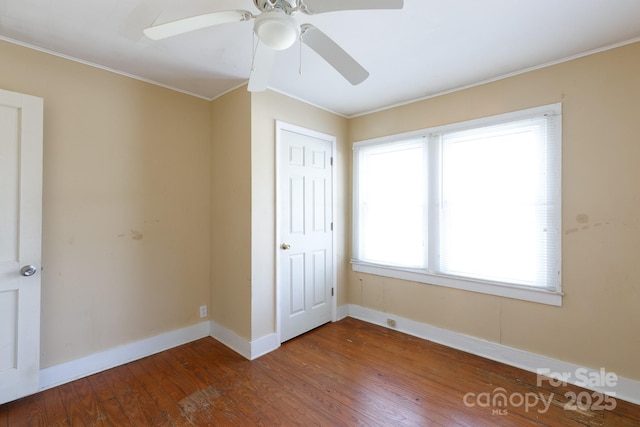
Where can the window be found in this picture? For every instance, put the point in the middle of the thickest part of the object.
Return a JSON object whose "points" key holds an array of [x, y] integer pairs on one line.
{"points": [[474, 205]]}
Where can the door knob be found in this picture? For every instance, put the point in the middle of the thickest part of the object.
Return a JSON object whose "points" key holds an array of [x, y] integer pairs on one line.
{"points": [[28, 270], [285, 246]]}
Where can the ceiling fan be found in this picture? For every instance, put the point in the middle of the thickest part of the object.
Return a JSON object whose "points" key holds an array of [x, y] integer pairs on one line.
{"points": [[277, 30]]}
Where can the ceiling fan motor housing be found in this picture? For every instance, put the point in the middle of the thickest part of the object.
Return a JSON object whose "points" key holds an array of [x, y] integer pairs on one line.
{"points": [[276, 29]]}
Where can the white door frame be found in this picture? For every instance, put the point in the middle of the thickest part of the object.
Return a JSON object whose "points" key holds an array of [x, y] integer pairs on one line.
{"points": [[283, 126]]}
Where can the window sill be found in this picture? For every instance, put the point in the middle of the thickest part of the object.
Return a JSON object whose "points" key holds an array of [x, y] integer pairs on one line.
{"points": [[542, 296]]}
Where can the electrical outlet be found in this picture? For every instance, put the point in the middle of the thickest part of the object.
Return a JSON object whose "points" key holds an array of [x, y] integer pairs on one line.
{"points": [[203, 311], [391, 322]]}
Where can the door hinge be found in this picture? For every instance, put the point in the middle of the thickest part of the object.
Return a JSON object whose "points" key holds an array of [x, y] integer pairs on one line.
{"points": [[331, 291], [332, 161], [331, 226]]}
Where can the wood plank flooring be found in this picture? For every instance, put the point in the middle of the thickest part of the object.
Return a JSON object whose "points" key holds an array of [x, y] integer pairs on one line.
{"points": [[348, 373]]}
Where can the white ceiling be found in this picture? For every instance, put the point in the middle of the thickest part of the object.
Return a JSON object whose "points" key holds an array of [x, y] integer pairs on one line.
{"points": [[429, 47]]}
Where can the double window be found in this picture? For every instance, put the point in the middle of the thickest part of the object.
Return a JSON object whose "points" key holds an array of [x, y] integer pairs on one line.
{"points": [[473, 205]]}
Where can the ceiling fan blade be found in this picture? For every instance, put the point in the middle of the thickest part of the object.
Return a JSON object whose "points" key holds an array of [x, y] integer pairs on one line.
{"points": [[261, 68], [333, 54], [173, 28], [321, 6]]}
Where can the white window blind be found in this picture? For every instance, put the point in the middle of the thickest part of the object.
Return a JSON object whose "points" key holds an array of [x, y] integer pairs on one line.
{"points": [[474, 205], [496, 192], [392, 195]]}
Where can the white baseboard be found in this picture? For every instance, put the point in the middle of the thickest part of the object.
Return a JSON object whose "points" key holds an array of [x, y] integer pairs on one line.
{"points": [[231, 340], [89, 365], [98, 362], [342, 312], [264, 345], [625, 389], [248, 349]]}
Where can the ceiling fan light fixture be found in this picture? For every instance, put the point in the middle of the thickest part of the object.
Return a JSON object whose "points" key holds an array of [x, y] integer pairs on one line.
{"points": [[276, 29]]}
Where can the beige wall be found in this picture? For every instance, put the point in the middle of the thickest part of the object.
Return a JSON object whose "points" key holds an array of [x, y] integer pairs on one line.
{"points": [[231, 212], [266, 108], [126, 207], [156, 203], [243, 209], [597, 326]]}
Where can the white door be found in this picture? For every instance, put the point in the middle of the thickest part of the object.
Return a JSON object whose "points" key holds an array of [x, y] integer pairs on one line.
{"points": [[306, 256], [20, 242]]}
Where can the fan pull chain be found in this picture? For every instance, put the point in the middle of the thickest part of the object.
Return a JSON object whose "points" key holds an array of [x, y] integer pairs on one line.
{"points": [[300, 56], [254, 47]]}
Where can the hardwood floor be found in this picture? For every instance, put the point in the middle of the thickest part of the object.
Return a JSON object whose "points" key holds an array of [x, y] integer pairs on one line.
{"points": [[346, 373]]}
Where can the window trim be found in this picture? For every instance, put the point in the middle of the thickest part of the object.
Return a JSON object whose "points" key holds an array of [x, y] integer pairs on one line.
{"points": [[550, 296]]}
